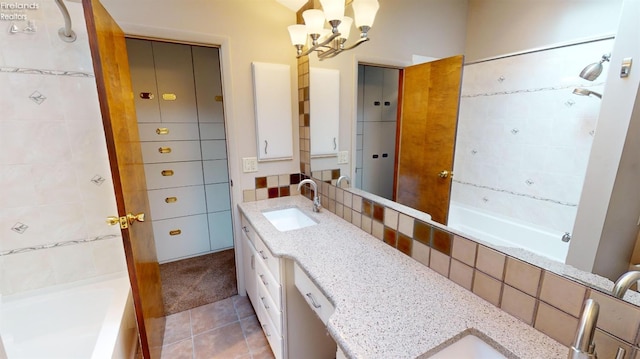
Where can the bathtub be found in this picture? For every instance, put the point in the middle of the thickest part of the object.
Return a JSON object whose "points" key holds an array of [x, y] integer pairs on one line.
{"points": [[502, 231], [85, 320]]}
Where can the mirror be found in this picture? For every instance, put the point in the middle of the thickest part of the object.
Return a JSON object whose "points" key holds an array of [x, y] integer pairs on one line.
{"points": [[471, 187]]}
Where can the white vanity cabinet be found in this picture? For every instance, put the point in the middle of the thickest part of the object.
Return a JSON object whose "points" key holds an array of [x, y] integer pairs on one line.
{"points": [[262, 281], [290, 325]]}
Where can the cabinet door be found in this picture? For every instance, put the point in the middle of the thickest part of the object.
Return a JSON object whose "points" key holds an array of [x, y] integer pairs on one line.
{"points": [[143, 81], [272, 105], [324, 98], [206, 70], [177, 202], [248, 264], [171, 151], [176, 89], [220, 230], [181, 237], [378, 158]]}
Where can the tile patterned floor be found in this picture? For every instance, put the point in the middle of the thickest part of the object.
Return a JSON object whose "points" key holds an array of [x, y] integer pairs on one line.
{"points": [[227, 329]]}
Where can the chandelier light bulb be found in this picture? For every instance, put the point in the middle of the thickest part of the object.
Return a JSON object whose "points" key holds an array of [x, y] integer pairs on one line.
{"points": [[298, 34], [365, 12], [314, 20], [345, 27]]}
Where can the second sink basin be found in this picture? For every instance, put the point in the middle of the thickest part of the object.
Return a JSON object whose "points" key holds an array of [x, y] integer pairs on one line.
{"points": [[288, 219], [469, 347]]}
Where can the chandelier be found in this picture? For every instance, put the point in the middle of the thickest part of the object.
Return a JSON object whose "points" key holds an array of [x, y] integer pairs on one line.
{"points": [[326, 42]]}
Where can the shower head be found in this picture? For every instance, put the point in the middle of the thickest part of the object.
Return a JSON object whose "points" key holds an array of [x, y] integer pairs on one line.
{"points": [[585, 92], [592, 71]]}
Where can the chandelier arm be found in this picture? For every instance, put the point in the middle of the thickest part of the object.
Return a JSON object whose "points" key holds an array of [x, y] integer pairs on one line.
{"points": [[317, 47], [357, 43], [328, 53]]}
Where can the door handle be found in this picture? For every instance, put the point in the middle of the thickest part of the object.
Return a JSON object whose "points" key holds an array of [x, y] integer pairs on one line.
{"points": [[135, 217], [125, 221], [443, 174]]}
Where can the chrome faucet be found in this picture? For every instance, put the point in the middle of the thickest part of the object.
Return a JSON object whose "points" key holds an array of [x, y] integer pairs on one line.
{"points": [[343, 178], [316, 197], [625, 282], [583, 346]]}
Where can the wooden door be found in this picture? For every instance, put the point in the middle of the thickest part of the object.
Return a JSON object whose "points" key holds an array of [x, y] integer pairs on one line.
{"points": [[429, 115], [111, 67]]}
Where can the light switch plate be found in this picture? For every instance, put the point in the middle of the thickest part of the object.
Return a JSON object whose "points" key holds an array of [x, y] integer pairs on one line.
{"points": [[343, 157], [249, 164]]}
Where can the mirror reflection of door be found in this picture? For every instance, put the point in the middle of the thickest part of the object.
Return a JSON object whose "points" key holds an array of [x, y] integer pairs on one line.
{"points": [[429, 115], [403, 160], [111, 68]]}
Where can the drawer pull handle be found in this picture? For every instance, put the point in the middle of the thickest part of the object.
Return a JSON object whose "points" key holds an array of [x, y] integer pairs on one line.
{"points": [[171, 199], [164, 149], [313, 301], [162, 131], [263, 255], [175, 232], [263, 303], [167, 173], [263, 281], [146, 95], [169, 96], [245, 229], [253, 262]]}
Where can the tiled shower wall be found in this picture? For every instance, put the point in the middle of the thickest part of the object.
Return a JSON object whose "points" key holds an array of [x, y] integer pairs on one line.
{"points": [[55, 181], [524, 138]]}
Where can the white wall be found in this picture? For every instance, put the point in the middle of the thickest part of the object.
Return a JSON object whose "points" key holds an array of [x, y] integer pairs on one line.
{"points": [[498, 27], [49, 155], [401, 29], [247, 30]]}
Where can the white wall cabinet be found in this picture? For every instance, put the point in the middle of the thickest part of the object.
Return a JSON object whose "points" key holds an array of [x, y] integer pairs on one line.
{"points": [[272, 105], [324, 98]]}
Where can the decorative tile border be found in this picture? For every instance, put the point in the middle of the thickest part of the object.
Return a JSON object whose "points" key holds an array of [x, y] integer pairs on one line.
{"points": [[552, 88], [273, 187], [568, 204], [58, 244], [27, 71]]}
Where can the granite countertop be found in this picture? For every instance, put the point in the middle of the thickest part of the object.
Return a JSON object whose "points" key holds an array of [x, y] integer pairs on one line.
{"points": [[387, 304]]}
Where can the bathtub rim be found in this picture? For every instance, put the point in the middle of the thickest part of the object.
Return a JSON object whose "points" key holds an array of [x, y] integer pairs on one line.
{"points": [[107, 336]]}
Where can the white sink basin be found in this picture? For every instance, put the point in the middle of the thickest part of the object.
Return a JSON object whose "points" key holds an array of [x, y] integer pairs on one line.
{"points": [[469, 347], [288, 219]]}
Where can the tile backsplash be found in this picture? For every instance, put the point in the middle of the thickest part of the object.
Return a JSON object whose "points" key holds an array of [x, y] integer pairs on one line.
{"points": [[55, 179]]}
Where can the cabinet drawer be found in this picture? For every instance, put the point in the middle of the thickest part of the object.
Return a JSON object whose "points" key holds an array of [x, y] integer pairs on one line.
{"points": [[266, 280], [170, 151], [168, 131], [177, 202], [273, 336], [272, 263], [177, 174], [181, 237], [273, 309], [247, 230], [312, 295]]}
